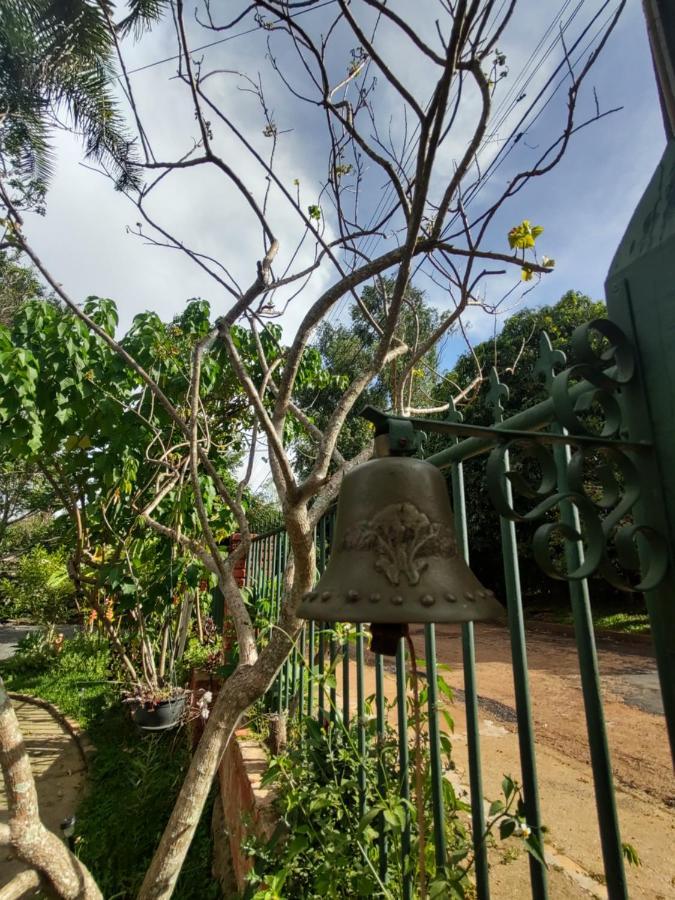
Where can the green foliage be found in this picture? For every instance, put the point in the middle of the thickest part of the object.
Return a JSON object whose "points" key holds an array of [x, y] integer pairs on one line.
{"points": [[133, 781], [514, 354], [523, 237], [40, 588], [334, 804], [18, 284], [631, 855], [56, 59], [345, 351]]}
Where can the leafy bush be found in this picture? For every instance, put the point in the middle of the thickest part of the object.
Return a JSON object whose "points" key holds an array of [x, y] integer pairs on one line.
{"points": [[341, 812], [40, 588], [327, 843]]}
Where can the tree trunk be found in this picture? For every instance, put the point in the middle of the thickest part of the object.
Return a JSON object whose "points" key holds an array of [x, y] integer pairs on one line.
{"points": [[20, 885], [243, 688], [28, 837]]}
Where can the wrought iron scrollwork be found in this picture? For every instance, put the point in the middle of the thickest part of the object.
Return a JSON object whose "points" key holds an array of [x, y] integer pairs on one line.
{"points": [[591, 490]]}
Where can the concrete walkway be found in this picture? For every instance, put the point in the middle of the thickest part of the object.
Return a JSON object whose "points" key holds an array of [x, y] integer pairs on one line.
{"points": [[59, 773]]}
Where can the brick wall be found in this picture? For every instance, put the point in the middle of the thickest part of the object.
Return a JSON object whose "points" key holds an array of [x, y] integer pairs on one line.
{"points": [[247, 806]]}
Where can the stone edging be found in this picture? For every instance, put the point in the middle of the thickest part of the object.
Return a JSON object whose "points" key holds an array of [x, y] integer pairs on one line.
{"points": [[84, 746]]}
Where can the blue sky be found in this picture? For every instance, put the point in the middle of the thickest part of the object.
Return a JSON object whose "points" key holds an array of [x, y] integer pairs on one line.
{"points": [[584, 205]]}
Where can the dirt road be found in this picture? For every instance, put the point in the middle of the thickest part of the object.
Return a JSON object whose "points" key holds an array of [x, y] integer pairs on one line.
{"points": [[638, 745]]}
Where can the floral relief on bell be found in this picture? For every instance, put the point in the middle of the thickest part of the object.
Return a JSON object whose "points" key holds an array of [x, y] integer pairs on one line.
{"points": [[402, 538]]}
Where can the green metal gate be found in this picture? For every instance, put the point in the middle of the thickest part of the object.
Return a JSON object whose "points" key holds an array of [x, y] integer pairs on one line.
{"points": [[608, 533]]}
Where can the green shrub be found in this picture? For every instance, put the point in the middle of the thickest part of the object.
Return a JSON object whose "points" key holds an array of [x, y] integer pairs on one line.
{"points": [[39, 589], [133, 779]]}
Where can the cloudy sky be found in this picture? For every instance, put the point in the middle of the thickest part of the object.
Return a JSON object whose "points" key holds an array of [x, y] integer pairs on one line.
{"points": [[584, 205]]}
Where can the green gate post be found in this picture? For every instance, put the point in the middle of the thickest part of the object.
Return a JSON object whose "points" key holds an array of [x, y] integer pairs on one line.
{"points": [[640, 291]]}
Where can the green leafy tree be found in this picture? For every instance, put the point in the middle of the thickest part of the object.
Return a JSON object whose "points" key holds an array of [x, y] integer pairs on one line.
{"points": [[18, 283], [39, 588], [344, 352]]}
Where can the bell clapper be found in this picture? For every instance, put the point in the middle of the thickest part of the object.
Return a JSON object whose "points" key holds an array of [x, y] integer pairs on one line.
{"points": [[384, 637]]}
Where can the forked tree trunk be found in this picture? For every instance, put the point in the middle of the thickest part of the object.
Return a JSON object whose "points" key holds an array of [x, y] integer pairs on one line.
{"points": [[246, 685], [28, 838]]}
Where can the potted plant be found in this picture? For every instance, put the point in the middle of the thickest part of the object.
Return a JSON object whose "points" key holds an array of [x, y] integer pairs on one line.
{"points": [[157, 709]]}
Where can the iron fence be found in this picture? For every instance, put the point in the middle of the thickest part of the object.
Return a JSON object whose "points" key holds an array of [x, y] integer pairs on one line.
{"points": [[556, 435]]}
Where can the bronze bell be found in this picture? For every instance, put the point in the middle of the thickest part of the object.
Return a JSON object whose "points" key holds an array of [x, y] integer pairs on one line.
{"points": [[394, 556]]}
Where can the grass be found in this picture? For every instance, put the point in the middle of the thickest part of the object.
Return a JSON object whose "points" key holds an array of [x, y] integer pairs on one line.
{"points": [[133, 780], [628, 621]]}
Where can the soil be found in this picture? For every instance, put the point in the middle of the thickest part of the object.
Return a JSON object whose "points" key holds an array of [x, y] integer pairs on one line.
{"points": [[631, 697], [638, 745]]}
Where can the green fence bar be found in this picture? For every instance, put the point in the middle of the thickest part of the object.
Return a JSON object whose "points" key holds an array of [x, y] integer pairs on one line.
{"points": [[478, 824], [404, 765], [333, 654], [301, 672], [610, 836], [361, 715], [435, 748], [516, 622], [345, 683], [514, 610], [310, 678], [381, 774], [321, 702], [322, 642]]}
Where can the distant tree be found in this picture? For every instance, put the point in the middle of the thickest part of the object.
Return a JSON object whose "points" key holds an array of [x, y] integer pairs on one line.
{"points": [[345, 350]]}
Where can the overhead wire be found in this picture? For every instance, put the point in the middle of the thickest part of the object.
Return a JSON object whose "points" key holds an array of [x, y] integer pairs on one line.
{"points": [[503, 111]]}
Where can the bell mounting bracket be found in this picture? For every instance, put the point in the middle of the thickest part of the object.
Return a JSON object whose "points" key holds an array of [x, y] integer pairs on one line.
{"points": [[402, 437]]}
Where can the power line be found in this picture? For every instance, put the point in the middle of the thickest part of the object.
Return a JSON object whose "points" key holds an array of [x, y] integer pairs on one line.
{"points": [[229, 37], [502, 112]]}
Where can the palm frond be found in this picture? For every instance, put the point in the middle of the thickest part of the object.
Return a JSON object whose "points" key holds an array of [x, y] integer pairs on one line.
{"points": [[143, 14]]}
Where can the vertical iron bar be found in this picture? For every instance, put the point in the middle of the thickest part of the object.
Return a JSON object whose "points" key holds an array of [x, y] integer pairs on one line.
{"points": [[333, 688], [310, 679], [361, 716], [345, 682], [404, 764], [514, 609], [478, 824], [322, 697], [610, 836], [322, 648], [301, 673], [291, 658], [381, 774], [435, 748]]}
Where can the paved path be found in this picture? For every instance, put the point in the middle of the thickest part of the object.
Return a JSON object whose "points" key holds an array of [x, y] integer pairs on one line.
{"points": [[57, 765]]}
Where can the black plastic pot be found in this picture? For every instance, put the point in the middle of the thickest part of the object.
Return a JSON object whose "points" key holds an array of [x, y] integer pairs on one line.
{"points": [[160, 716]]}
